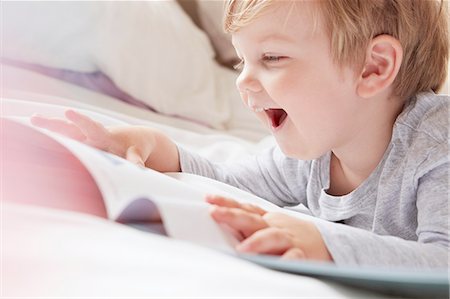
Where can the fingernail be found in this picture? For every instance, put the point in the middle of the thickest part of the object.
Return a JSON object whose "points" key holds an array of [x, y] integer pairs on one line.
{"points": [[215, 214], [217, 209], [211, 197], [218, 212], [241, 247]]}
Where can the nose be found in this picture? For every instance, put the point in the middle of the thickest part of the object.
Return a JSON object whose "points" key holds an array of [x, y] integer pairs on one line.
{"points": [[246, 82]]}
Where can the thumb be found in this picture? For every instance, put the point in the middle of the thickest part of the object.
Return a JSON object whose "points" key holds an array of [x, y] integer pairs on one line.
{"points": [[134, 156]]}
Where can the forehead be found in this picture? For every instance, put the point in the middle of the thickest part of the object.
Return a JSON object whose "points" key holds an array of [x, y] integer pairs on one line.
{"points": [[283, 21]]}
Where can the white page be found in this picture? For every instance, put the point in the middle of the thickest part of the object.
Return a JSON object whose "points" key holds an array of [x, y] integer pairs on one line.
{"points": [[214, 187], [183, 210], [150, 195]]}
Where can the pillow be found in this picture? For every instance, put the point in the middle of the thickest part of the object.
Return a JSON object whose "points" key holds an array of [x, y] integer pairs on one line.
{"points": [[150, 49], [210, 14]]}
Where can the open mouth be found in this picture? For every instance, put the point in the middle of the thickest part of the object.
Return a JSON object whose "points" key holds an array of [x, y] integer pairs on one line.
{"points": [[276, 116]]}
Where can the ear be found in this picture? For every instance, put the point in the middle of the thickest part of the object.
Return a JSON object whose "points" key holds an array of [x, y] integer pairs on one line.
{"points": [[383, 59]]}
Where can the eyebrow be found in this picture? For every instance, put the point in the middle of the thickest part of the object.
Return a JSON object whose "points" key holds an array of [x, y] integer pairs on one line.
{"points": [[276, 37], [273, 37]]}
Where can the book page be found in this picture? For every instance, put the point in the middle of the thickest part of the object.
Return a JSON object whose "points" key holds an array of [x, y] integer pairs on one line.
{"points": [[132, 193], [38, 170], [214, 187]]}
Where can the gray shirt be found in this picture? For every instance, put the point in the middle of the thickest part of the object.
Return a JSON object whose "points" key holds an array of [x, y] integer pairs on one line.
{"points": [[399, 216]]}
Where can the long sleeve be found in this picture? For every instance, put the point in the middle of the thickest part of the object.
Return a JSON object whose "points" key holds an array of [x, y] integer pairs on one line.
{"points": [[350, 245], [270, 175], [353, 246]]}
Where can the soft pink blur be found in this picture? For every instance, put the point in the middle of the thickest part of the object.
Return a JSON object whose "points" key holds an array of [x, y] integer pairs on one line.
{"points": [[37, 170]]}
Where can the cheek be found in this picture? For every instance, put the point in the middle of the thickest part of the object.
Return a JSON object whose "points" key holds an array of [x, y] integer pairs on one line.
{"points": [[283, 87], [294, 94], [317, 107]]}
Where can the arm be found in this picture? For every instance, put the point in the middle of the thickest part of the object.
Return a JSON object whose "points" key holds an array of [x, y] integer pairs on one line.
{"points": [[164, 156], [270, 175], [350, 245], [288, 236], [140, 145], [353, 246]]}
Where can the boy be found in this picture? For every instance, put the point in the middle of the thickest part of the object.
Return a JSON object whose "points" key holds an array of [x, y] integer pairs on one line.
{"points": [[346, 87]]}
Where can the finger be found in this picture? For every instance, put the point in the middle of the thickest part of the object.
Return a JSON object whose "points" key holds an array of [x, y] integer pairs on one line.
{"points": [[236, 234], [133, 155], [58, 125], [253, 209], [230, 203], [222, 201], [294, 254], [281, 220], [244, 222], [93, 130], [267, 241]]}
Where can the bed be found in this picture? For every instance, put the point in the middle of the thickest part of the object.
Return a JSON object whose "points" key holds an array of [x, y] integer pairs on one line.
{"points": [[49, 252]]}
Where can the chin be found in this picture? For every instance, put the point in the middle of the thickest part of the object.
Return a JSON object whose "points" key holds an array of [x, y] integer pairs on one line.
{"points": [[300, 153]]}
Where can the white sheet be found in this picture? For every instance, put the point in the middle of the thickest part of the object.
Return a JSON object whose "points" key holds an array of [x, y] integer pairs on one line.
{"points": [[58, 253], [64, 254], [19, 83]]}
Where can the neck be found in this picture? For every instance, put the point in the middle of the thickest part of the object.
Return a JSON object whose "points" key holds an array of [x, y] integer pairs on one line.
{"points": [[354, 161]]}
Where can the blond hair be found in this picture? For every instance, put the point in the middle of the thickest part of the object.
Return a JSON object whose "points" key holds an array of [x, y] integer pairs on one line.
{"points": [[419, 25]]}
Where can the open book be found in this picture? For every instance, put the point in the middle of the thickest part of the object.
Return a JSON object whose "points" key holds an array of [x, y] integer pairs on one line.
{"points": [[136, 195]]}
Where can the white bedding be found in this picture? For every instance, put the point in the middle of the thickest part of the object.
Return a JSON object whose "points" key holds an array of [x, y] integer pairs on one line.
{"points": [[54, 253], [20, 83], [150, 49], [61, 253]]}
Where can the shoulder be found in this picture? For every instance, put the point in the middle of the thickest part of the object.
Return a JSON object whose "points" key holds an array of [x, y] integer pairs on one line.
{"points": [[425, 118], [421, 132]]}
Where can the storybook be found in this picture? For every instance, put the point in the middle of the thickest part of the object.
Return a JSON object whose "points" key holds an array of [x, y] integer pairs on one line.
{"points": [[130, 194], [40, 166]]}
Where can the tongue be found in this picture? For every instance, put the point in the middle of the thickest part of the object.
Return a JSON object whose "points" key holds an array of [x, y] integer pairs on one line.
{"points": [[277, 116]]}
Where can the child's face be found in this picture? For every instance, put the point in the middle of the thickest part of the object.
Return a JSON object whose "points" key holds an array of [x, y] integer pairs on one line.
{"points": [[288, 65]]}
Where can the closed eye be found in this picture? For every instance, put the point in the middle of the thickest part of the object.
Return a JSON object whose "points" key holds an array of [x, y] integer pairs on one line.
{"points": [[272, 58], [267, 59]]}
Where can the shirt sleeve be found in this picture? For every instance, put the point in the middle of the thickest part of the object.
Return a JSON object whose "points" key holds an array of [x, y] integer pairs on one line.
{"points": [[349, 245], [270, 175]]}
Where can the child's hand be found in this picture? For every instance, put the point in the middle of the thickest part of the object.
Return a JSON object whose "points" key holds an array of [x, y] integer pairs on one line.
{"points": [[269, 233], [133, 143]]}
